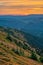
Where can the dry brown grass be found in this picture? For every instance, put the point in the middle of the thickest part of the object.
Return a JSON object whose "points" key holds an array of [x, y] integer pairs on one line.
{"points": [[10, 58]]}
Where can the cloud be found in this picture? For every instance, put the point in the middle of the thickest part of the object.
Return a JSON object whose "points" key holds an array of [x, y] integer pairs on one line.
{"points": [[21, 6], [16, 4], [35, 0]]}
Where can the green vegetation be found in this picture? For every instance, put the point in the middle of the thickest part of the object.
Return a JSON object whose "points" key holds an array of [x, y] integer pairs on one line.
{"points": [[33, 56], [9, 37], [6, 59], [14, 46], [1, 53], [41, 59], [15, 51], [19, 52], [18, 43], [25, 46], [1, 43]]}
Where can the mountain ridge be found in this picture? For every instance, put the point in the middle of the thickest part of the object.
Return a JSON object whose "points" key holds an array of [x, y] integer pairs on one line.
{"points": [[32, 24]]}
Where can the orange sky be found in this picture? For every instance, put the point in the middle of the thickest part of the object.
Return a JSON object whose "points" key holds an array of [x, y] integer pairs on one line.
{"points": [[21, 7]]}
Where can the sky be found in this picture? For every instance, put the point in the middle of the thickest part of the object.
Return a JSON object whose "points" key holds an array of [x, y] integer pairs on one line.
{"points": [[21, 7]]}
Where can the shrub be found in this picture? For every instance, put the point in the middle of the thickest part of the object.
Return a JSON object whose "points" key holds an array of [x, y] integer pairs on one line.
{"points": [[19, 52], [1, 43], [9, 37], [15, 51], [33, 56], [6, 59], [41, 59], [1, 53], [25, 46]]}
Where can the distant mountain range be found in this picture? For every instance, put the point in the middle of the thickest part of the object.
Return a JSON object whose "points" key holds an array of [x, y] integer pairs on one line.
{"points": [[32, 24]]}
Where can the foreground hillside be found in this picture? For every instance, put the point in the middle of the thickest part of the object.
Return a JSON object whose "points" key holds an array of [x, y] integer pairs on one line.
{"points": [[15, 50]]}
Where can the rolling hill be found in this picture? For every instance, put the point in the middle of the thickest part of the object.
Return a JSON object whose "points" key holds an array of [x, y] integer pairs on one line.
{"points": [[18, 48], [32, 24]]}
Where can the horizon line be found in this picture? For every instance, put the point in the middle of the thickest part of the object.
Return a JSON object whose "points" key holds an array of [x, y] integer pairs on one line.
{"points": [[18, 15]]}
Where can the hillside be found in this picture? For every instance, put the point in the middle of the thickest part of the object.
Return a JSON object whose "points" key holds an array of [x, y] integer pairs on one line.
{"points": [[32, 24], [15, 49]]}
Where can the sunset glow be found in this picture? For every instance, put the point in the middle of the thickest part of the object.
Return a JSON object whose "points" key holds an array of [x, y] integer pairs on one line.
{"points": [[21, 7]]}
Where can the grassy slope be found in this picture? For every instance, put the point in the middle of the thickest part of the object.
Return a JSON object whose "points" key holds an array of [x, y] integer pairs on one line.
{"points": [[8, 56]]}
